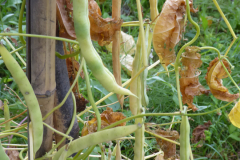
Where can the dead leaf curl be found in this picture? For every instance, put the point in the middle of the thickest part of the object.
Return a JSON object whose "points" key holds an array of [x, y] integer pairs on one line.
{"points": [[189, 82], [214, 77]]}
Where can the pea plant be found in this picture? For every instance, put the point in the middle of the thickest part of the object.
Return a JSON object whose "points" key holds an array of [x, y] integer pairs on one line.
{"points": [[164, 31]]}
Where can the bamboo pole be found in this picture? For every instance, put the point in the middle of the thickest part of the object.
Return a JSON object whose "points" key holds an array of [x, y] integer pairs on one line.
{"points": [[42, 21], [116, 14]]}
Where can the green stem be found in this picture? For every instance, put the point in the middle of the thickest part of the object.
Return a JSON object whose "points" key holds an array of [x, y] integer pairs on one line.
{"points": [[165, 72], [69, 91], [166, 139], [66, 55], [80, 120], [229, 75], [17, 54], [140, 116], [177, 62], [20, 21], [56, 131], [21, 153], [163, 114], [164, 124], [133, 23], [225, 19], [15, 129], [215, 110], [39, 36], [2, 135], [90, 97], [16, 50], [212, 48]]}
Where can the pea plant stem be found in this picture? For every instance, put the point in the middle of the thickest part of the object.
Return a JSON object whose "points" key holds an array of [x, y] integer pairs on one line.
{"points": [[20, 21], [56, 131], [2, 135], [166, 139], [90, 96], [224, 18], [16, 50], [212, 48], [39, 36], [229, 75], [10, 44]]}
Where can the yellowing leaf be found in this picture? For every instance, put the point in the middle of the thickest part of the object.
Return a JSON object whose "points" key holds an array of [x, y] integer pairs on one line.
{"points": [[234, 115], [214, 77]]}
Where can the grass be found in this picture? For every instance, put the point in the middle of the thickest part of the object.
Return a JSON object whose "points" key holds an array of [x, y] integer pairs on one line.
{"points": [[222, 138]]}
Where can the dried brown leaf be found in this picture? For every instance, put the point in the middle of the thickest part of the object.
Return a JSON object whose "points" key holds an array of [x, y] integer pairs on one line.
{"points": [[80, 102], [14, 41], [168, 148], [101, 30], [13, 154], [189, 82], [214, 77], [168, 30], [65, 20], [107, 117], [198, 132]]}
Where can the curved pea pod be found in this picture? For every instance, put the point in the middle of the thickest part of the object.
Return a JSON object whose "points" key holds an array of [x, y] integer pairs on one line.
{"points": [[93, 60], [29, 96], [184, 138], [2, 153], [63, 155], [96, 138]]}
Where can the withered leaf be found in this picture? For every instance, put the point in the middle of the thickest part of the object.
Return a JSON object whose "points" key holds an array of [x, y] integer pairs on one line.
{"points": [[65, 20], [198, 132], [101, 30], [80, 102], [189, 82], [107, 117], [168, 30], [168, 148], [214, 77], [13, 154]]}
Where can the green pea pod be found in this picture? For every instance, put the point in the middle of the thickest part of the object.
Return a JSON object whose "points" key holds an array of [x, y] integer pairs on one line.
{"points": [[93, 60], [143, 76], [185, 137], [2, 153], [96, 138], [29, 96], [6, 115], [63, 155]]}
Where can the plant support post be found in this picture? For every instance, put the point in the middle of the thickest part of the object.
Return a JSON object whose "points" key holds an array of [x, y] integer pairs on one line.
{"points": [[41, 61]]}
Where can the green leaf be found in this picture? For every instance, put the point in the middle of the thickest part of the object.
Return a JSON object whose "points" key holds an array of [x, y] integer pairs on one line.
{"points": [[235, 136], [12, 3], [232, 128], [7, 16], [110, 99]]}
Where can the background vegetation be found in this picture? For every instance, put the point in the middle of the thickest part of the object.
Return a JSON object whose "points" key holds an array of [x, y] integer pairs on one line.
{"points": [[222, 138]]}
